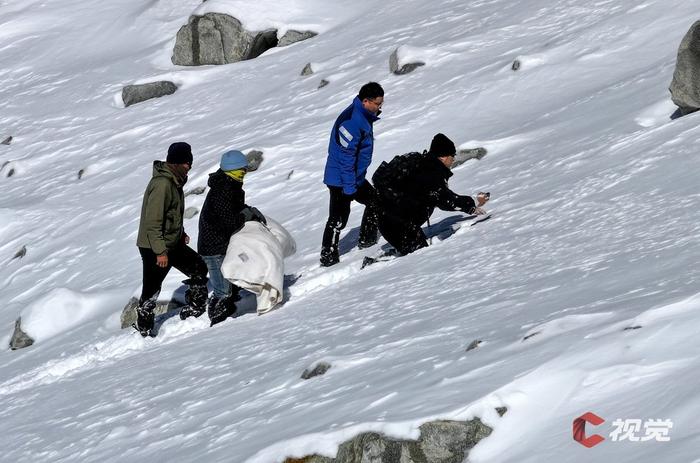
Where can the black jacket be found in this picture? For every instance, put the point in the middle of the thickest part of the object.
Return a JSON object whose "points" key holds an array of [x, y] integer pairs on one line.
{"points": [[221, 214], [412, 185]]}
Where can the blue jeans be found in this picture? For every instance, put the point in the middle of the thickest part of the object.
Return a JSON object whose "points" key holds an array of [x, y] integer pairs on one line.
{"points": [[221, 286]]}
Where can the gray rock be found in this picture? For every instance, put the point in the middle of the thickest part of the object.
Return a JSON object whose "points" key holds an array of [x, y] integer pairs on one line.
{"points": [[402, 68], [318, 370], [289, 175], [20, 339], [439, 442], [501, 411], [292, 36], [196, 191], [191, 212], [467, 154], [323, 83], [473, 345], [6, 141], [21, 253], [685, 86], [81, 172], [307, 71], [631, 328], [531, 335], [132, 94], [128, 316], [217, 38], [516, 65], [255, 158]]}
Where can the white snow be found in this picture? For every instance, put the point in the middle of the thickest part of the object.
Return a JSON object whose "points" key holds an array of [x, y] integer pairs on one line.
{"points": [[591, 254]]}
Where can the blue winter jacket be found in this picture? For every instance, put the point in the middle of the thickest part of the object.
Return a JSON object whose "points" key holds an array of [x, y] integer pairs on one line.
{"points": [[350, 148]]}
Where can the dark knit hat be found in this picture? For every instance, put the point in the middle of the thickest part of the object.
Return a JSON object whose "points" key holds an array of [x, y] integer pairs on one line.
{"points": [[179, 153], [442, 146]]}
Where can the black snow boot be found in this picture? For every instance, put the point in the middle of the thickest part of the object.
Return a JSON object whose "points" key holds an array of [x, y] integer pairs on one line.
{"points": [[224, 308], [196, 298], [145, 318], [329, 256]]}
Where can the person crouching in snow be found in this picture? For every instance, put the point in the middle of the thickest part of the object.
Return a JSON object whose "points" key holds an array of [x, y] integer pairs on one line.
{"points": [[223, 214], [411, 186]]}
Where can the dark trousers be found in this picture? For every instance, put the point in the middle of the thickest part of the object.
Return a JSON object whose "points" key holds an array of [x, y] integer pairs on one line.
{"points": [[404, 235], [339, 212], [182, 257]]}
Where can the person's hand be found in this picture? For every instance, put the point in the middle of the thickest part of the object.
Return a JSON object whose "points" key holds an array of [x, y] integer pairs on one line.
{"points": [[482, 198], [252, 213], [478, 211], [162, 260], [186, 238]]}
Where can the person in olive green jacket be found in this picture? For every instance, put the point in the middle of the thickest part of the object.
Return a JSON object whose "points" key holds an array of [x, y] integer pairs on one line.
{"points": [[162, 240]]}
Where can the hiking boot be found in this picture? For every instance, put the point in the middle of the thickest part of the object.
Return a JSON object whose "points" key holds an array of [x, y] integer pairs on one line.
{"points": [[224, 308], [196, 298], [329, 257], [145, 319], [368, 243]]}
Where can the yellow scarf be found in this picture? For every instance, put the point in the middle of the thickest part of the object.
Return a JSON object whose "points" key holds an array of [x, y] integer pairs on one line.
{"points": [[237, 174]]}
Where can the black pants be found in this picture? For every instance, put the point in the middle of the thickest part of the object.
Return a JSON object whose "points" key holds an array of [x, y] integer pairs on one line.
{"points": [[182, 257], [404, 235], [339, 212]]}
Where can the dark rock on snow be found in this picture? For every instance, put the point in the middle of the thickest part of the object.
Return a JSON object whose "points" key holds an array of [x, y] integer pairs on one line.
{"points": [[255, 158], [128, 316], [685, 86], [307, 71], [20, 339], [6, 141], [132, 94], [317, 370], [399, 68]]}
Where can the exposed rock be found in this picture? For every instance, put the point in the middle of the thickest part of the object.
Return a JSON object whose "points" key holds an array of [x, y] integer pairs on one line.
{"points": [[81, 172], [20, 339], [398, 67], [323, 83], [307, 71], [685, 86], [473, 345], [10, 173], [217, 38], [21, 253], [467, 154], [128, 316], [318, 370], [196, 191], [292, 36], [531, 335], [6, 141], [191, 212], [289, 175], [630, 328], [132, 94], [255, 158], [439, 442], [501, 411], [516, 65]]}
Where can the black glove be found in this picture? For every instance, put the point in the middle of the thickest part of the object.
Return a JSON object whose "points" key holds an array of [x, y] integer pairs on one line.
{"points": [[252, 213]]}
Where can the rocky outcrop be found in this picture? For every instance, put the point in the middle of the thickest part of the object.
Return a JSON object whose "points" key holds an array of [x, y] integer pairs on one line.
{"points": [[217, 38], [439, 442], [292, 36], [132, 94], [6, 141], [685, 86], [308, 70], [465, 155], [398, 65], [317, 370], [254, 158], [20, 339]]}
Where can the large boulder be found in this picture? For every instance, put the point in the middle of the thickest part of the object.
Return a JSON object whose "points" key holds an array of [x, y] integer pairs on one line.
{"points": [[439, 442], [685, 86], [403, 60], [132, 94], [217, 38], [128, 316]]}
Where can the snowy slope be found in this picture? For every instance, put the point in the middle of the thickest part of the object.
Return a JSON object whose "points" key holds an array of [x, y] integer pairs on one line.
{"points": [[595, 231]]}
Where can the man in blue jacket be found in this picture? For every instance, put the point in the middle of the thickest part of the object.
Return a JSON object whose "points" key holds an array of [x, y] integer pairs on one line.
{"points": [[349, 155]]}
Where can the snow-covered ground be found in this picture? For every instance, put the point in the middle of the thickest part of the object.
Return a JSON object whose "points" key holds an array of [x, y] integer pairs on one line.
{"points": [[595, 230]]}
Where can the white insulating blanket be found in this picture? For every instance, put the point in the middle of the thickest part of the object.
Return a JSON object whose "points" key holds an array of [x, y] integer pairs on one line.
{"points": [[255, 261]]}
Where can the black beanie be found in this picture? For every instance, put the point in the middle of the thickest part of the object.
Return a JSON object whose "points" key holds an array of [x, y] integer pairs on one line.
{"points": [[442, 146], [179, 153]]}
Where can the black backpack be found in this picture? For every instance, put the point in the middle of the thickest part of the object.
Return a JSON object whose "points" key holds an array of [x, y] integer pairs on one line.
{"points": [[390, 177]]}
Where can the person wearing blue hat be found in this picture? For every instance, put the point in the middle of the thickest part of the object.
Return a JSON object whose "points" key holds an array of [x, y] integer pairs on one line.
{"points": [[223, 214]]}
